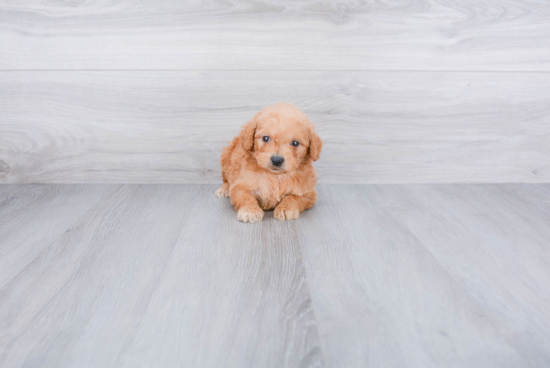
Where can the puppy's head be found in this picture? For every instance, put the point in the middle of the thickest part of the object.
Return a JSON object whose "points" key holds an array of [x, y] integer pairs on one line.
{"points": [[280, 137]]}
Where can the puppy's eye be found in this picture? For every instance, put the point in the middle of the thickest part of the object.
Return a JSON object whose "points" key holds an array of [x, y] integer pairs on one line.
{"points": [[266, 138], [295, 143]]}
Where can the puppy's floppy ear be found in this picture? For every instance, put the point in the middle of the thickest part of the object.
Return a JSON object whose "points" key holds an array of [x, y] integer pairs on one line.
{"points": [[247, 135], [315, 145]]}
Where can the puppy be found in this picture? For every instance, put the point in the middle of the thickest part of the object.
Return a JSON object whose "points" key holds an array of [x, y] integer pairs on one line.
{"points": [[269, 165]]}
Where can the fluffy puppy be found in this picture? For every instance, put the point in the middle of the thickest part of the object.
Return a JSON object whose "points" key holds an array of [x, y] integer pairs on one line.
{"points": [[269, 165]]}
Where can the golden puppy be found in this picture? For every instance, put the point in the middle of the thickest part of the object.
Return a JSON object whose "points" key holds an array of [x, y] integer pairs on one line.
{"points": [[269, 165]]}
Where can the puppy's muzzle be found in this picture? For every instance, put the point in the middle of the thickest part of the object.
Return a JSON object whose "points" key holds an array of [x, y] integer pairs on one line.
{"points": [[277, 161]]}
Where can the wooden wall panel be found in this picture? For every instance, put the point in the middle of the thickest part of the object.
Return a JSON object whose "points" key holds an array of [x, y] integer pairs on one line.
{"points": [[468, 35], [170, 126]]}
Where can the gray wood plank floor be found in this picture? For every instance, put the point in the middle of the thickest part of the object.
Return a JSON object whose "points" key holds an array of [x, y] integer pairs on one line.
{"points": [[170, 126], [372, 276], [276, 35]]}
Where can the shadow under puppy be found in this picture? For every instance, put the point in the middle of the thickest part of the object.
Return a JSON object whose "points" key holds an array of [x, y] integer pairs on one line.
{"points": [[269, 165]]}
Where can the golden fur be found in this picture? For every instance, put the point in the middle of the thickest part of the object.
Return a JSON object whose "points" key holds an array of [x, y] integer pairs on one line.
{"points": [[256, 184]]}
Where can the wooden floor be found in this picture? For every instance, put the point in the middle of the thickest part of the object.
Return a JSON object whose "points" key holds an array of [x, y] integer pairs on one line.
{"points": [[372, 276]]}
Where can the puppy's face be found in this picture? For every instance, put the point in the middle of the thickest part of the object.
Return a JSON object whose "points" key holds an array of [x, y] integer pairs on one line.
{"points": [[281, 136], [280, 145]]}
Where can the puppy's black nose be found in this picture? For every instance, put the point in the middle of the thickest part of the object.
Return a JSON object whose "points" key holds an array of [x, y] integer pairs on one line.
{"points": [[277, 160]]}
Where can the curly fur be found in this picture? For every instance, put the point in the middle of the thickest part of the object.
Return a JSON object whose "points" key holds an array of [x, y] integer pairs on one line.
{"points": [[254, 183]]}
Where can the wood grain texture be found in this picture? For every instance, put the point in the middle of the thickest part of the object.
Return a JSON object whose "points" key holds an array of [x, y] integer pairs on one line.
{"points": [[372, 276], [149, 276], [309, 35], [430, 275], [170, 126]]}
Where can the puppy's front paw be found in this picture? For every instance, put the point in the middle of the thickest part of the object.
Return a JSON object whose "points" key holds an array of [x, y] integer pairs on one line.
{"points": [[250, 215], [286, 213], [223, 191]]}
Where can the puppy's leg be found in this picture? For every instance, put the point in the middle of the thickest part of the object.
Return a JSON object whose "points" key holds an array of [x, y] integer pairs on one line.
{"points": [[225, 162], [246, 205], [291, 206], [223, 191]]}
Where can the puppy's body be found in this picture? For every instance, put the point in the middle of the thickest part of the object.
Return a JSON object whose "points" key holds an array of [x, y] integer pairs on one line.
{"points": [[269, 165], [240, 168]]}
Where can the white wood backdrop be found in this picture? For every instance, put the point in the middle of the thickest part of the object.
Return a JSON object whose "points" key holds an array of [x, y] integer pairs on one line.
{"points": [[286, 34], [149, 92]]}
